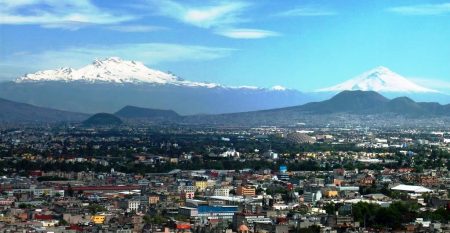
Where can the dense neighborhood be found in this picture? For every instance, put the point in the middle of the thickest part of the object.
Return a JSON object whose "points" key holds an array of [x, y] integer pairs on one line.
{"points": [[200, 179]]}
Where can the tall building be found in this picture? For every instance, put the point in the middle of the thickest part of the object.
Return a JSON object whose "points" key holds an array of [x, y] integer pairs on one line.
{"points": [[312, 197]]}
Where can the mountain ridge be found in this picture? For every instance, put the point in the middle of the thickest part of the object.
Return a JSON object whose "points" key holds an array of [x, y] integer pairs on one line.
{"points": [[111, 70], [118, 71], [371, 102], [109, 97], [110, 84], [11, 111], [350, 103]]}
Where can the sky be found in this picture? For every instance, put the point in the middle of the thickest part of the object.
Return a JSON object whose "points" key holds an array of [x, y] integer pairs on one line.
{"points": [[303, 45]]}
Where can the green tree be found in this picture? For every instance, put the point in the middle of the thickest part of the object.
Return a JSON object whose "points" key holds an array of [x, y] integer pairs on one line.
{"points": [[96, 208]]}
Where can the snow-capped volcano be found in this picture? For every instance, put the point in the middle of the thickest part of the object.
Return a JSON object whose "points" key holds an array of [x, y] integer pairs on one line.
{"points": [[380, 79], [110, 84], [112, 70]]}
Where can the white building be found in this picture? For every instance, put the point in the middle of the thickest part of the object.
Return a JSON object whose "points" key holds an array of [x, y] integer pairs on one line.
{"points": [[230, 153], [133, 205], [411, 189], [223, 192], [312, 197]]}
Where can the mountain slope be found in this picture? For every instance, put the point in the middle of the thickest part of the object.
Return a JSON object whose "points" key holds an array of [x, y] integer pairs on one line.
{"points": [[108, 85], [370, 102], [347, 101], [343, 107], [106, 97], [11, 111], [379, 79]]}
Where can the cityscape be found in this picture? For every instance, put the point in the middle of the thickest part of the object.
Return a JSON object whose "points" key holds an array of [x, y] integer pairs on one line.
{"points": [[224, 116]]}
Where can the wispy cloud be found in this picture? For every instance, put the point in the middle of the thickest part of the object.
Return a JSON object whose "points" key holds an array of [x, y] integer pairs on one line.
{"points": [[149, 53], [246, 33], [69, 14], [136, 28], [223, 17], [422, 9], [306, 11], [217, 15]]}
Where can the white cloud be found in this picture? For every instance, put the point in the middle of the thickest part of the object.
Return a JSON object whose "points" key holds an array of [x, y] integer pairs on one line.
{"points": [[222, 17], [68, 14], [223, 13], [67, 25], [149, 53], [246, 33], [423, 9], [306, 11], [136, 28]]}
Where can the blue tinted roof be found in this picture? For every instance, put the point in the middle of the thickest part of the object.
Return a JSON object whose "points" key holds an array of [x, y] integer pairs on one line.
{"points": [[216, 209]]}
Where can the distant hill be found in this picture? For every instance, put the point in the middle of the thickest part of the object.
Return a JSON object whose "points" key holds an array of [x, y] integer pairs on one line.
{"points": [[103, 119], [16, 112], [371, 102], [342, 107], [347, 101], [138, 113], [359, 104], [347, 106]]}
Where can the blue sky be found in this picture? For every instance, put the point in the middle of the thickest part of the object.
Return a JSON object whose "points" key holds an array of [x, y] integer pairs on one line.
{"points": [[304, 45]]}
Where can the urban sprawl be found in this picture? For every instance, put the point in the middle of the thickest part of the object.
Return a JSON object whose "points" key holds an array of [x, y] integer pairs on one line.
{"points": [[62, 178]]}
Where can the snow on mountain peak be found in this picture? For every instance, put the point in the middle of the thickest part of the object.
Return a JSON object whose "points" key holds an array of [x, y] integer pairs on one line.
{"points": [[278, 88], [112, 70], [380, 79]]}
